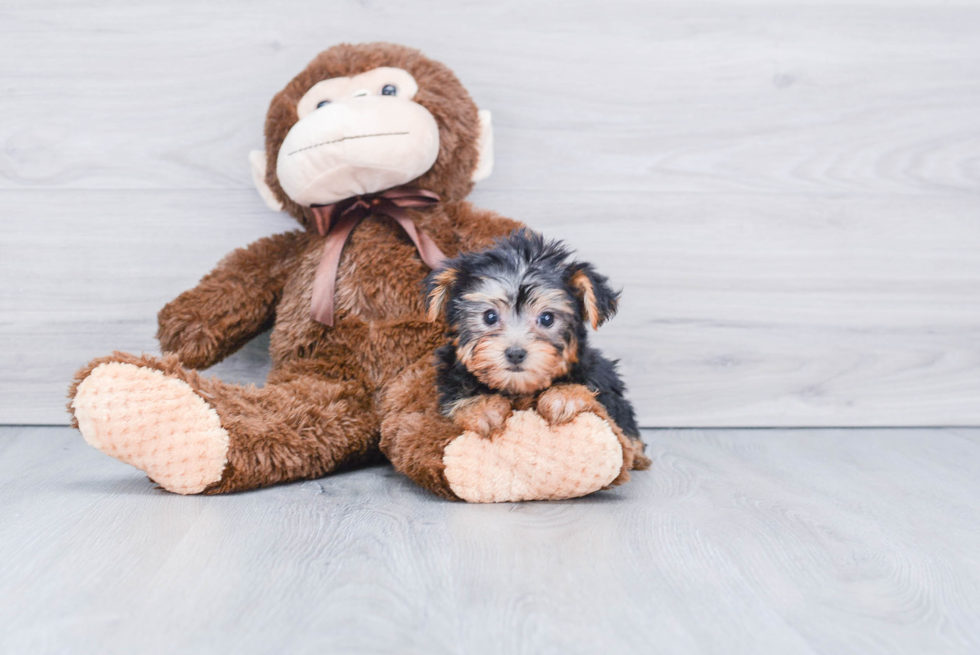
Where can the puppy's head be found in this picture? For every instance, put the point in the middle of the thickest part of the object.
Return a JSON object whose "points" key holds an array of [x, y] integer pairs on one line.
{"points": [[517, 311]]}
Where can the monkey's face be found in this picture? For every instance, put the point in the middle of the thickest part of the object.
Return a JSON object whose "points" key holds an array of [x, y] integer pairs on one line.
{"points": [[357, 135], [364, 118]]}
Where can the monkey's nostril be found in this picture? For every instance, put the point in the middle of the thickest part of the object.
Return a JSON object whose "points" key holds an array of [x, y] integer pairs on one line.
{"points": [[515, 355]]}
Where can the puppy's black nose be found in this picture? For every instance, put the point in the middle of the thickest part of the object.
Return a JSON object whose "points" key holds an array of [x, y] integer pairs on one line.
{"points": [[515, 355]]}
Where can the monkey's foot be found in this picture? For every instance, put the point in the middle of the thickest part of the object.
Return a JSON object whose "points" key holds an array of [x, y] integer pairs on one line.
{"points": [[155, 422], [531, 460]]}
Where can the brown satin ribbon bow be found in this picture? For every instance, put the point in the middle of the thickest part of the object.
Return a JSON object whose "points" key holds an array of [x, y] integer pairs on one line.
{"points": [[338, 220]]}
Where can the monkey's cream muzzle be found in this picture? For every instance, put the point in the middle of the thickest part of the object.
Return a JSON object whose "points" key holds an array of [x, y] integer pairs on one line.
{"points": [[356, 146]]}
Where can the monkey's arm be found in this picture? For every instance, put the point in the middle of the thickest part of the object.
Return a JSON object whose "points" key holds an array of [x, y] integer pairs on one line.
{"points": [[231, 304], [477, 229]]}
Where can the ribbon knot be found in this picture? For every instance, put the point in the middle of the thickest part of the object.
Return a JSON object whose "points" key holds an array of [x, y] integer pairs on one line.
{"points": [[338, 220]]}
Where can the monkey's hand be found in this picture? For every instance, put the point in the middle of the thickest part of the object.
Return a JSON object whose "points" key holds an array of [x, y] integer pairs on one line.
{"points": [[484, 415], [561, 403], [232, 304], [184, 330]]}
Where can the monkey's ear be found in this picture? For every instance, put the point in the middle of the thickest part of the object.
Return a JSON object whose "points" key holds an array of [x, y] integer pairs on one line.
{"points": [[257, 159], [484, 145], [599, 301], [437, 287]]}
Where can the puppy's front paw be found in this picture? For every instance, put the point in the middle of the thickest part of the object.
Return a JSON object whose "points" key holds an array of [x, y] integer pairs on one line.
{"points": [[560, 404], [483, 415]]}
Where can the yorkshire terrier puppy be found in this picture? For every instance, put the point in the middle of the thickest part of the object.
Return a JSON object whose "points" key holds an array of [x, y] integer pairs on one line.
{"points": [[517, 317]]}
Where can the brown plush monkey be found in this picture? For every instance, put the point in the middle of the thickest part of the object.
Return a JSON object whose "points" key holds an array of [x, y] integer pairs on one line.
{"points": [[373, 149]]}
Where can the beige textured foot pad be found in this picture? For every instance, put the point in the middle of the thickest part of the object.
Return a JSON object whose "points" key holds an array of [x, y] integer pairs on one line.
{"points": [[154, 422], [531, 460]]}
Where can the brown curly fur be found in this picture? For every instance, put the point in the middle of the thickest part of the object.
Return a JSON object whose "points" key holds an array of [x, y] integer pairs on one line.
{"points": [[336, 396]]}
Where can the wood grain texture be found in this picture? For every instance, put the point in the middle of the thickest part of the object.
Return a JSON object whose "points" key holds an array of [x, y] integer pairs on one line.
{"points": [[773, 97], [787, 191], [832, 542]]}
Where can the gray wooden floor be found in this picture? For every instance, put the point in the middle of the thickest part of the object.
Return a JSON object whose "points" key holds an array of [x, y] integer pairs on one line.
{"points": [[737, 541]]}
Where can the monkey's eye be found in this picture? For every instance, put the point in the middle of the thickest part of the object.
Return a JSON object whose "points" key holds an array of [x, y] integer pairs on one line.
{"points": [[389, 90], [546, 320], [490, 317], [322, 103]]}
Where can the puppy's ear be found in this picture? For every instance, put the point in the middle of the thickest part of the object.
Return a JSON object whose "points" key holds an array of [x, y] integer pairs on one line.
{"points": [[437, 287], [598, 300]]}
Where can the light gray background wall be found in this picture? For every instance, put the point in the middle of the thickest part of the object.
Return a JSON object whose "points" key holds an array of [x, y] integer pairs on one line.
{"points": [[788, 192]]}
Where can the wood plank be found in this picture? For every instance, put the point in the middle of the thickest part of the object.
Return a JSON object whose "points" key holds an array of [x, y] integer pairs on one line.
{"points": [[738, 310], [773, 97], [789, 541]]}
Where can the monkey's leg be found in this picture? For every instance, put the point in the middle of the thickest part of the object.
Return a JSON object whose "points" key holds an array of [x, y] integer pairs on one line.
{"points": [[528, 460], [200, 435], [414, 435]]}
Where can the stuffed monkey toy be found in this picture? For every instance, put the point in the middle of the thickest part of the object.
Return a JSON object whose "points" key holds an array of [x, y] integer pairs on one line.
{"points": [[372, 149]]}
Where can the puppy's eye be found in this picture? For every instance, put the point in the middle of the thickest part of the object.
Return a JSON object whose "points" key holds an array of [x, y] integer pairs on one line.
{"points": [[490, 317], [389, 90], [322, 103], [546, 320]]}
